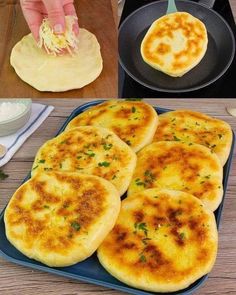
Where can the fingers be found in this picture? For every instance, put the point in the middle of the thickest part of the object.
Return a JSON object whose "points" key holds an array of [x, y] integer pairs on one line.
{"points": [[56, 15], [33, 18], [69, 9]]}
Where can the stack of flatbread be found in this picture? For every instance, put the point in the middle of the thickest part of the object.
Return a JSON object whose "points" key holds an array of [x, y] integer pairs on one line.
{"points": [[163, 236]]}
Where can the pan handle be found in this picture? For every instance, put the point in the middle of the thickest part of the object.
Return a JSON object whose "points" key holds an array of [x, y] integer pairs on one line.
{"points": [[208, 3]]}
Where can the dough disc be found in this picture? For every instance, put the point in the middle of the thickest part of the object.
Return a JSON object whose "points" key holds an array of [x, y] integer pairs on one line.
{"points": [[57, 73]]}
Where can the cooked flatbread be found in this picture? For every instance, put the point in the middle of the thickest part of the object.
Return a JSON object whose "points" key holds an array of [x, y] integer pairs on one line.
{"points": [[175, 43], [59, 218], [47, 72], [194, 127], [91, 150], [163, 241], [191, 168], [135, 122]]}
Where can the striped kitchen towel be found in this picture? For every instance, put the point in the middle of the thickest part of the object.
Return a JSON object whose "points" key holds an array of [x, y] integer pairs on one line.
{"points": [[13, 142]]}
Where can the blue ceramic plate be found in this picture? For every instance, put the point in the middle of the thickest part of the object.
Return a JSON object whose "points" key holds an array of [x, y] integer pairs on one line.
{"points": [[91, 270]]}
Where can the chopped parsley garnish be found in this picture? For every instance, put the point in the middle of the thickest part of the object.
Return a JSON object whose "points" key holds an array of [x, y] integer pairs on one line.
{"points": [[79, 157], [107, 146], [176, 138], [133, 99], [90, 154], [41, 161], [104, 164], [141, 226], [109, 135], [46, 207], [75, 225], [182, 236], [149, 176], [128, 142], [133, 109], [3, 175], [35, 167], [60, 165], [142, 258], [138, 182], [213, 146], [220, 136], [113, 177], [47, 169], [145, 240], [64, 141], [208, 176]]}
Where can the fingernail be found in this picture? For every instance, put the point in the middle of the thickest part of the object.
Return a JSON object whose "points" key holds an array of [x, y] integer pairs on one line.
{"points": [[58, 29]]}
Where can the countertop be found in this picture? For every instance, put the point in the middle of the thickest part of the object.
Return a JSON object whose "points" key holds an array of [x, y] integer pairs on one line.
{"points": [[16, 279], [97, 16]]}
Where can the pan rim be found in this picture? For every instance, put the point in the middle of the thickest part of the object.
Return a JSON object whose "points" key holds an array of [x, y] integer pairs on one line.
{"points": [[182, 90]]}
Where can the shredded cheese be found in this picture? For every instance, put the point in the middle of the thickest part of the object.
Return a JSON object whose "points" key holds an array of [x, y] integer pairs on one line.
{"points": [[57, 44]]}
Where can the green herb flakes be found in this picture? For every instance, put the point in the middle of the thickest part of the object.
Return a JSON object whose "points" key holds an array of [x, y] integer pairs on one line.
{"points": [[176, 138], [104, 164], [141, 226], [107, 146], [138, 182], [142, 258], [75, 225], [3, 175], [90, 154]]}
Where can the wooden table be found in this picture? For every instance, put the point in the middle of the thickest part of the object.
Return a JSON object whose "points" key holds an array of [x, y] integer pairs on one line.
{"points": [[98, 16], [16, 279]]}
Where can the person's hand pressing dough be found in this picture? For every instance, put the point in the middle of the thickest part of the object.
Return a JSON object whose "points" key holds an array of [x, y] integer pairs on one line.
{"points": [[55, 10], [56, 62]]}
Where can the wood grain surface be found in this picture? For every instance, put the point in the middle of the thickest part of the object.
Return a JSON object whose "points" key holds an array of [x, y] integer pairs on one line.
{"points": [[15, 279], [95, 15]]}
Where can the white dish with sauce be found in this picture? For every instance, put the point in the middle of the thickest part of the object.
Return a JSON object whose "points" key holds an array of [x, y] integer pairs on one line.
{"points": [[14, 114]]}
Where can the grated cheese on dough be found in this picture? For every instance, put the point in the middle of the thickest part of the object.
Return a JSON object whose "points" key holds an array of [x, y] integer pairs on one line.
{"points": [[56, 44]]}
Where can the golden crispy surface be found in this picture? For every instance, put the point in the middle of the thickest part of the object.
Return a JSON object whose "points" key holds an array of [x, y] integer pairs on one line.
{"points": [[195, 127], [61, 218], [163, 241], [190, 168], [175, 43], [91, 150], [134, 122]]}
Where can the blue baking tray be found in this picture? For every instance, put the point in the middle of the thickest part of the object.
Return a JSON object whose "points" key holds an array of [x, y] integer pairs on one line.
{"points": [[90, 270]]}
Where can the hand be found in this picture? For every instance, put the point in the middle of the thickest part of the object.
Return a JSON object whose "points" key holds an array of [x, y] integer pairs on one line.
{"points": [[35, 10]]}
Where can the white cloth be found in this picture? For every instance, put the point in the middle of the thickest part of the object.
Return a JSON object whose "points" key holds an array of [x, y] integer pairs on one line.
{"points": [[13, 142]]}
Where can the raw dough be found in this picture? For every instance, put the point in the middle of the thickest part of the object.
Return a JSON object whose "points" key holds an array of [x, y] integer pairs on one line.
{"points": [[57, 73]]}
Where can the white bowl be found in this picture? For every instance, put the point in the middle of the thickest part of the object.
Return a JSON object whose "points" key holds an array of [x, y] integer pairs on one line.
{"points": [[12, 125]]}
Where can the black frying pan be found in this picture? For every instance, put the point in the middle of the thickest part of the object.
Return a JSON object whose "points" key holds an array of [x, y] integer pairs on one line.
{"points": [[219, 55]]}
